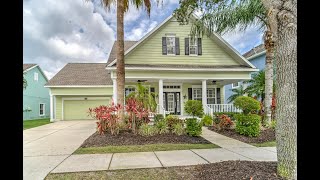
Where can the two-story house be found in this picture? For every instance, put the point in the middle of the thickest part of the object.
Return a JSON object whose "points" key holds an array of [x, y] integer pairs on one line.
{"points": [[257, 57], [36, 101], [171, 62]]}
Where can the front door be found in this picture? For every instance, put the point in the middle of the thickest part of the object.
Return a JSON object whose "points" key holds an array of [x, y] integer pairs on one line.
{"points": [[172, 102]]}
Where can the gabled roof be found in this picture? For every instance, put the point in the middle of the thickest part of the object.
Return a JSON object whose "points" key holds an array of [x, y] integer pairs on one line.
{"points": [[28, 67], [81, 74], [217, 38], [113, 52], [256, 51]]}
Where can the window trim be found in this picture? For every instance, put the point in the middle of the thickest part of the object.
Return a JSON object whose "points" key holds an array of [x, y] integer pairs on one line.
{"points": [[174, 47], [196, 54], [36, 76], [233, 87], [214, 91], [44, 109]]}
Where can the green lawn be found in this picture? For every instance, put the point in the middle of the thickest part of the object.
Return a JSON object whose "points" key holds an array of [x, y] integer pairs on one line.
{"points": [[35, 123], [133, 174], [265, 144], [142, 148]]}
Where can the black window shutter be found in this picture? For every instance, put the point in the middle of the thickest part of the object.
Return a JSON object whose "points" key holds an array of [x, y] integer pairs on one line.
{"points": [[164, 46], [186, 46], [218, 96], [199, 46], [177, 46], [152, 89], [189, 93]]}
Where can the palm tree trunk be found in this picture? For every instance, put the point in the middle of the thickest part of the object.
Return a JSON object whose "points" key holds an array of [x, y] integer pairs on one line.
{"points": [[120, 57], [282, 17], [269, 46]]}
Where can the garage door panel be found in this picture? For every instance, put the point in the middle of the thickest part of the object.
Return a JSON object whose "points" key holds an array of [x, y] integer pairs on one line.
{"points": [[78, 109]]}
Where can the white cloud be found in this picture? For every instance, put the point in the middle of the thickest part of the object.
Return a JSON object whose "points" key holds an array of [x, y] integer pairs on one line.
{"points": [[144, 27], [244, 41], [56, 32]]}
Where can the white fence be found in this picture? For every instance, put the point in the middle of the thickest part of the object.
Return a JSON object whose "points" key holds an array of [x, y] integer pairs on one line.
{"points": [[212, 108]]}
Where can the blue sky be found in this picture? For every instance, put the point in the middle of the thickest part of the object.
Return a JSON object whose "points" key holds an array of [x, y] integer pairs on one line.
{"points": [[56, 32]]}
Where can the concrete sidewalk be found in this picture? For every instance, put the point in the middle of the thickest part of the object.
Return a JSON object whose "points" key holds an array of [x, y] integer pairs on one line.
{"points": [[231, 149], [46, 146]]}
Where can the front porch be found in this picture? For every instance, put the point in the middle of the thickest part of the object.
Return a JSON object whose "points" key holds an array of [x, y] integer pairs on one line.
{"points": [[171, 94]]}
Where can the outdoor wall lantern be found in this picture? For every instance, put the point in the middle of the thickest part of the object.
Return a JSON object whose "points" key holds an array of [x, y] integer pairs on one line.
{"points": [[185, 96]]}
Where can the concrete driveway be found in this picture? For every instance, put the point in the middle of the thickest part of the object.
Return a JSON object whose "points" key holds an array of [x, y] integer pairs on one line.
{"points": [[45, 147]]}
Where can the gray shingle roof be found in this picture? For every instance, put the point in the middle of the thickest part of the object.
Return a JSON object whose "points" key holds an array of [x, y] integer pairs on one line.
{"points": [[113, 52], [184, 66], [254, 51], [81, 74], [27, 66]]}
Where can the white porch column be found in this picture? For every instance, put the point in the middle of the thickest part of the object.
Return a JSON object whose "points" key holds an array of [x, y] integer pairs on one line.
{"points": [[204, 93], [51, 108], [160, 96], [114, 84]]}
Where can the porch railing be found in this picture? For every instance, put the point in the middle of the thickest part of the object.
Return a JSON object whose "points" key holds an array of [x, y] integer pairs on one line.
{"points": [[212, 108], [164, 112]]}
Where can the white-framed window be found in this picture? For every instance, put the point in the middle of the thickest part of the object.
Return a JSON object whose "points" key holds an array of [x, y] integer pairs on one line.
{"points": [[129, 90], [211, 96], [235, 85], [171, 44], [197, 94], [36, 76], [193, 45], [42, 109]]}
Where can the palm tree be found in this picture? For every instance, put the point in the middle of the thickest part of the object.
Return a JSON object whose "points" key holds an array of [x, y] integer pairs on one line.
{"points": [[236, 93], [223, 16], [256, 85], [122, 7], [144, 95]]}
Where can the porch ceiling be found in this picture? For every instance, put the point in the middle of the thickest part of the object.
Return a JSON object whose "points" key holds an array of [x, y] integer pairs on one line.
{"points": [[193, 81]]}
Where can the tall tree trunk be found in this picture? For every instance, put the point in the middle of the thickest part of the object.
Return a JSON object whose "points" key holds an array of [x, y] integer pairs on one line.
{"points": [[269, 46], [282, 17], [120, 57]]}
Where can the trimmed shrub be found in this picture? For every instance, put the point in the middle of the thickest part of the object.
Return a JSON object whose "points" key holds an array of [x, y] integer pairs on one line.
{"points": [[178, 129], [162, 127], [147, 130], [230, 114], [194, 107], [172, 120], [224, 122], [194, 128], [158, 117], [207, 120], [248, 125], [247, 104]]}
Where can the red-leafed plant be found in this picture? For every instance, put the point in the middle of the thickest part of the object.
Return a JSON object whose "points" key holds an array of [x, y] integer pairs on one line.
{"points": [[107, 118], [137, 113], [225, 122]]}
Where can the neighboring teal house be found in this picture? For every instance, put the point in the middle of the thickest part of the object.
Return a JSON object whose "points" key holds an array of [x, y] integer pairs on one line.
{"points": [[257, 57], [36, 99]]}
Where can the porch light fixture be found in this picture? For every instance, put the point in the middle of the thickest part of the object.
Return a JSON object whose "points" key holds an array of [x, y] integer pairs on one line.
{"points": [[141, 80], [185, 96], [214, 82]]}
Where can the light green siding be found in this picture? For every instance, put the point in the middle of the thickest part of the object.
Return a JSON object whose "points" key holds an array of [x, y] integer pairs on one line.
{"points": [[83, 91], [150, 51], [187, 75], [58, 107], [78, 109]]}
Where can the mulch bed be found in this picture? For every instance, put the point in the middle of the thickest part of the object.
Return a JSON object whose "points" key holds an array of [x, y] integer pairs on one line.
{"points": [[128, 138], [237, 170], [265, 135]]}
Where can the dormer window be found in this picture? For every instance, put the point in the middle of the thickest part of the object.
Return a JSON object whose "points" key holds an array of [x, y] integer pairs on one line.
{"points": [[170, 44], [36, 76], [193, 46]]}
